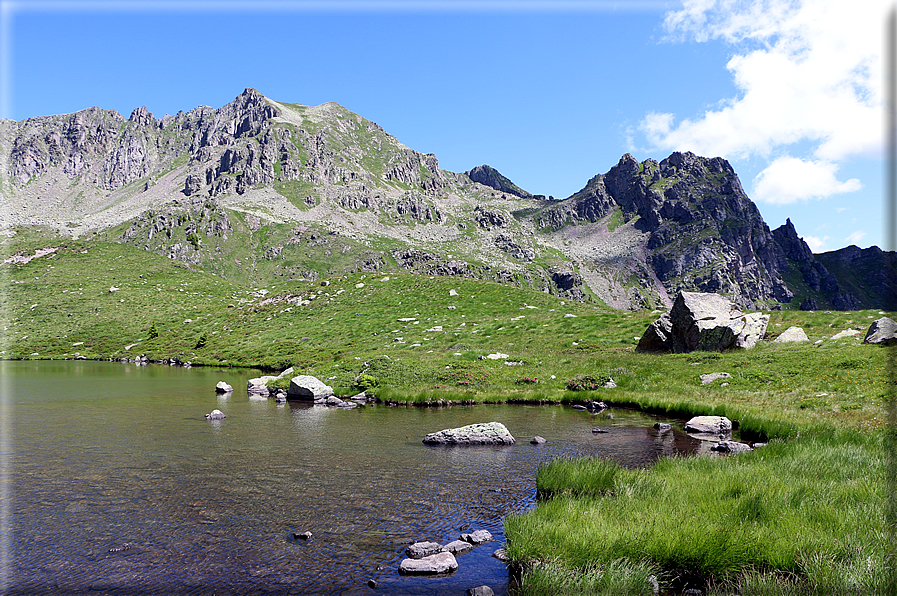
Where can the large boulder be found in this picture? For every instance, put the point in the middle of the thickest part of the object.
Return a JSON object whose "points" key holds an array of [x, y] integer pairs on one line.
{"points": [[307, 387], [703, 321], [882, 331], [490, 433], [434, 564]]}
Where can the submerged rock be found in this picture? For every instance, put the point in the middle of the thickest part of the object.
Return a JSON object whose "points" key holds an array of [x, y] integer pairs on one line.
{"points": [[491, 433]]}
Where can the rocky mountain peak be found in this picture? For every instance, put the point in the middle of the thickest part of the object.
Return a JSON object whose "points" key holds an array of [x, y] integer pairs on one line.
{"points": [[142, 117], [489, 176]]}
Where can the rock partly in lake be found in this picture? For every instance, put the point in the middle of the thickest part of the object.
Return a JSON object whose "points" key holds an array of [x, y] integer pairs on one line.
{"points": [[792, 334], [477, 537], [223, 387], [716, 425], [882, 331], [490, 433], [307, 387], [537, 440], [259, 385], [215, 415], [703, 321], [458, 547], [731, 447], [662, 426], [432, 565], [303, 535], [711, 377], [419, 550], [480, 591], [335, 402]]}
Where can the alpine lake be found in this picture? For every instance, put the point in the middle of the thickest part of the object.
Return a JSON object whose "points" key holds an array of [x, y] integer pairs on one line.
{"points": [[121, 486]]}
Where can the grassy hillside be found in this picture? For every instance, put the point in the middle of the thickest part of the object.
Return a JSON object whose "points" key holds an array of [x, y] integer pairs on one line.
{"points": [[105, 300]]}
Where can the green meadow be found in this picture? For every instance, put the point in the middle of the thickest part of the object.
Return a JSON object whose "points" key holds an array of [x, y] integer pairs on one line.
{"points": [[803, 515]]}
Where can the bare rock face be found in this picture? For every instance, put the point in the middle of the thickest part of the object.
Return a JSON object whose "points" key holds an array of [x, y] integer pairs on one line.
{"points": [[492, 433], [882, 331], [703, 321]]}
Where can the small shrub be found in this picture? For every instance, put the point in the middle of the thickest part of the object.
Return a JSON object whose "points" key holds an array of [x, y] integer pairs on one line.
{"points": [[201, 342], [366, 382], [587, 382], [153, 332], [527, 381]]}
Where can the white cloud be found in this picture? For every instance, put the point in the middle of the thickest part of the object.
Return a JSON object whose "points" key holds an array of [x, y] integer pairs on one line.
{"points": [[855, 237], [790, 179], [806, 70], [816, 244]]}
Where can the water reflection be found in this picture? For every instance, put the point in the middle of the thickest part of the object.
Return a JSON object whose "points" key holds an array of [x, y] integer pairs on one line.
{"points": [[123, 487]]}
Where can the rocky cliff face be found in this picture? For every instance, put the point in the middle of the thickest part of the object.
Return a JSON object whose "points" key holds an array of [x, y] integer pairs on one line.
{"points": [[700, 230], [259, 189]]}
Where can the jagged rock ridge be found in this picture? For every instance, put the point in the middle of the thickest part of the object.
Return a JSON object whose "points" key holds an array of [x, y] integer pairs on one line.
{"points": [[264, 189]]}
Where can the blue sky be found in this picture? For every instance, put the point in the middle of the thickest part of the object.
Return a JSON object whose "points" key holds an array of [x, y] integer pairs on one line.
{"points": [[549, 93]]}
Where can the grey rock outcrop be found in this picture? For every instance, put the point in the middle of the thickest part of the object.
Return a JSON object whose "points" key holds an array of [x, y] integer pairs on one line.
{"points": [[792, 334], [715, 425], [439, 563], [491, 433], [702, 321], [711, 377], [882, 331], [307, 387]]}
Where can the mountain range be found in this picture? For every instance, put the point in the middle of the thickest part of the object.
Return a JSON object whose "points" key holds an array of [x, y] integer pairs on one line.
{"points": [[259, 190]]}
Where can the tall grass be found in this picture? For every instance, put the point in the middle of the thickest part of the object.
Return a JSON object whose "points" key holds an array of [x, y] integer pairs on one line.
{"points": [[811, 509]]}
